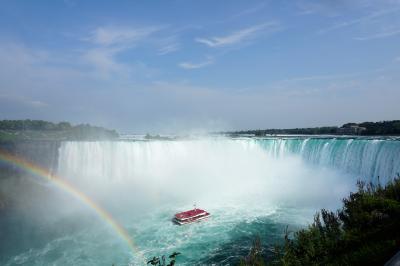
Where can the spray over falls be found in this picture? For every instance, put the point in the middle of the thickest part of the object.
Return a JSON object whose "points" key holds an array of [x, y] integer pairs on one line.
{"points": [[124, 160]]}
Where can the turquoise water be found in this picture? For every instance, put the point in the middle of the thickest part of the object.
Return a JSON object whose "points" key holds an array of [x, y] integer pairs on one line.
{"points": [[366, 158], [251, 187]]}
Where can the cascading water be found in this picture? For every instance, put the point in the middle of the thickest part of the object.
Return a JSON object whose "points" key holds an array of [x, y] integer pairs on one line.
{"points": [[365, 158], [208, 169], [250, 186]]}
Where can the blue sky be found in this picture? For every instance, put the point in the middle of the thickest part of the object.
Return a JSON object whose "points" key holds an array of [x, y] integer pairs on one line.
{"points": [[172, 66]]}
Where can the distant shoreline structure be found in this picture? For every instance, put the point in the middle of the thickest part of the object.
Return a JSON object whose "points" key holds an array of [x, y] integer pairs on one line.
{"points": [[383, 128]]}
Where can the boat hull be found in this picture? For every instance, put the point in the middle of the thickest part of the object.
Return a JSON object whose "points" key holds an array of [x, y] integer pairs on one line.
{"points": [[189, 221], [190, 216]]}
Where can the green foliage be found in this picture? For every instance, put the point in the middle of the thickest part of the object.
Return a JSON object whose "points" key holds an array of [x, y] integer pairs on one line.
{"points": [[303, 131], [254, 258], [366, 231], [371, 128], [28, 124], [381, 128], [13, 130]]}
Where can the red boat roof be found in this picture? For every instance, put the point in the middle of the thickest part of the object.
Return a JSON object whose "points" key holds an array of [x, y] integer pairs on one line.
{"points": [[190, 213]]}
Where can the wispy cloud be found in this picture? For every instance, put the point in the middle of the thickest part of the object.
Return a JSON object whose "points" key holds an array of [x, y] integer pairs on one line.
{"points": [[361, 20], [328, 8], [103, 60], [380, 35], [249, 11], [169, 48], [110, 41], [312, 7], [168, 44], [240, 35], [189, 65], [38, 104], [332, 76], [111, 35]]}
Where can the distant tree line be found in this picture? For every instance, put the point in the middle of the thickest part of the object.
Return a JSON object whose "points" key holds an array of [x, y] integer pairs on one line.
{"points": [[39, 129], [381, 128], [28, 124], [365, 128]]}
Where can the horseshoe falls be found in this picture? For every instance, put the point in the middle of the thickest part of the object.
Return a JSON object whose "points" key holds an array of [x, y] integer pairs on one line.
{"points": [[251, 186], [365, 158]]}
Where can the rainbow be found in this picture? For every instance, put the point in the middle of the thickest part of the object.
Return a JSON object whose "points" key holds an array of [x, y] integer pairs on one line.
{"points": [[71, 190]]}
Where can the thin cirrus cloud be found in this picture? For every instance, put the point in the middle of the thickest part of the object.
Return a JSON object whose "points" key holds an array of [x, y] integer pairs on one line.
{"points": [[103, 60], [107, 36], [109, 41], [372, 17], [168, 44], [169, 48], [240, 35], [189, 65]]}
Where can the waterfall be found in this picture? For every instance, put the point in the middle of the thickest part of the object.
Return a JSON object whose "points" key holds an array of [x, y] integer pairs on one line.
{"points": [[363, 158], [366, 158], [281, 169]]}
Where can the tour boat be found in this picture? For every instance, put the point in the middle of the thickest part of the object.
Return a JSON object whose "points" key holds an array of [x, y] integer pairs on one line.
{"points": [[190, 216]]}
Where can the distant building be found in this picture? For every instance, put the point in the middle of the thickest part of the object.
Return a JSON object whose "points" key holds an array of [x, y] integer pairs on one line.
{"points": [[351, 129]]}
